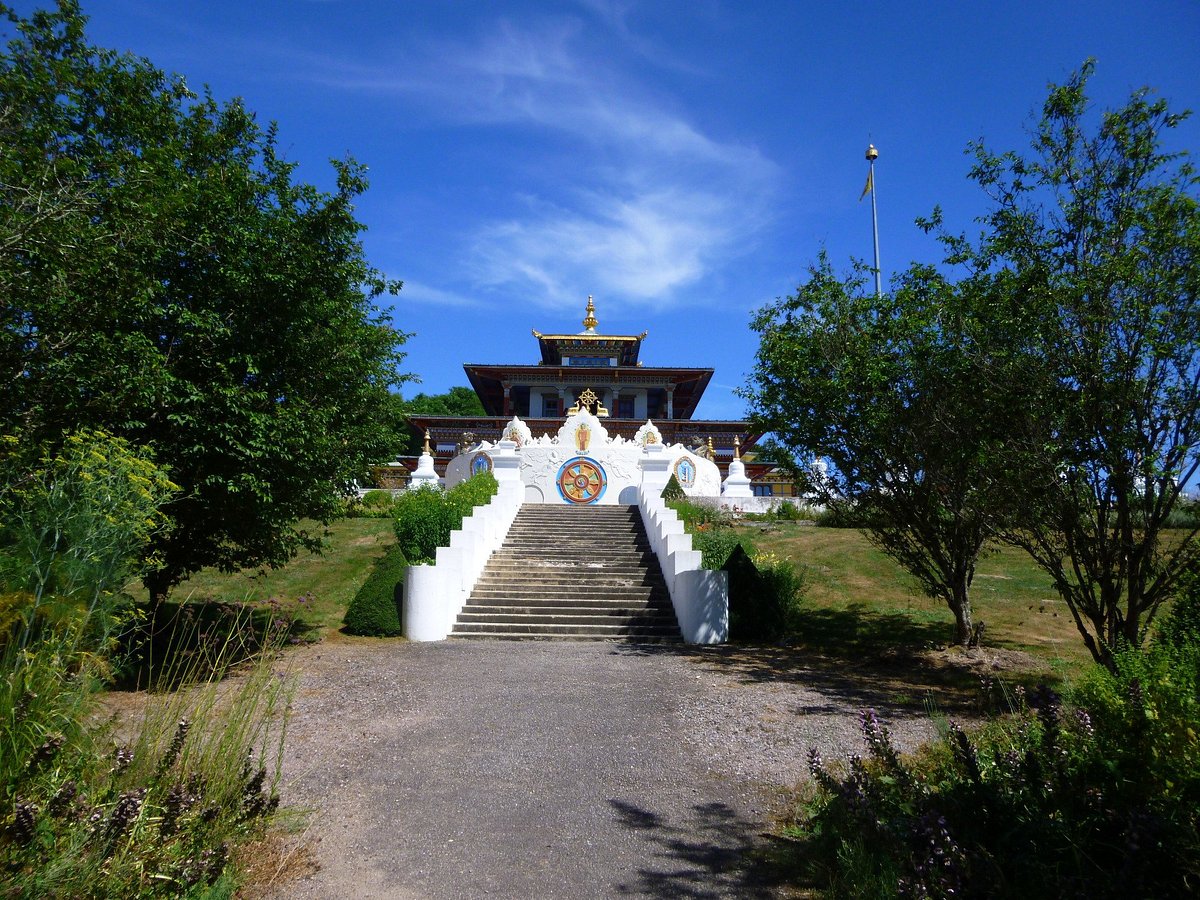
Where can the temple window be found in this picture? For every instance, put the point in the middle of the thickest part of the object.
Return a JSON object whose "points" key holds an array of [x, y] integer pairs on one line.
{"points": [[625, 408]]}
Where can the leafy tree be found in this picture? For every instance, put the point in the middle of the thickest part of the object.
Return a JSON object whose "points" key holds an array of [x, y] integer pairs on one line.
{"points": [[167, 279], [458, 401], [1093, 244], [883, 391]]}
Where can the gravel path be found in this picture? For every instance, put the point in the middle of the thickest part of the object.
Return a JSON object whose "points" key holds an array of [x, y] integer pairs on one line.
{"points": [[544, 770]]}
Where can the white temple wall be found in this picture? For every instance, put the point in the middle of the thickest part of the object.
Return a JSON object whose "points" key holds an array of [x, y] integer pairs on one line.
{"points": [[605, 471]]}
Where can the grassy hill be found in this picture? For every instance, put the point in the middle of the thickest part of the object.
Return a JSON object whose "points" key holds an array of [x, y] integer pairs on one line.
{"points": [[327, 581], [860, 601]]}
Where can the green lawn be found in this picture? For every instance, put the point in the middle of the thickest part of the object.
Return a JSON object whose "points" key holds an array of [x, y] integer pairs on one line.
{"points": [[858, 602], [328, 580], [858, 599]]}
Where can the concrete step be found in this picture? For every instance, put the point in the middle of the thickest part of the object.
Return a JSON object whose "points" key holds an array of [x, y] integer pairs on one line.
{"points": [[650, 618], [571, 573], [534, 604], [598, 630], [622, 639], [564, 598]]}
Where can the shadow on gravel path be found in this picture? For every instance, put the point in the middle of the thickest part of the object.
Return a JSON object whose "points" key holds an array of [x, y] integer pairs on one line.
{"points": [[707, 859], [530, 770]]}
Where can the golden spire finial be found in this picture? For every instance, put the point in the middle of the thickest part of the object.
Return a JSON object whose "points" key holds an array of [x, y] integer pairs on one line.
{"points": [[427, 453], [737, 448], [589, 321], [711, 453]]}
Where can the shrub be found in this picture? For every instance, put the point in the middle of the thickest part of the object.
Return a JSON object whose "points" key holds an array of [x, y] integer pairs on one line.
{"points": [[1099, 797], [423, 523], [699, 514], [76, 523], [673, 490], [426, 516], [376, 608], [82, 815], [840, 516], [477, 490], [716, 544], [377, 498], [764, 596], [153, 815], [1181, 625]]}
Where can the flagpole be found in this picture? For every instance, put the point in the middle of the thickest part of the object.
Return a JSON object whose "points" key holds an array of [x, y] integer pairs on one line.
{"points": [[872, 155]]}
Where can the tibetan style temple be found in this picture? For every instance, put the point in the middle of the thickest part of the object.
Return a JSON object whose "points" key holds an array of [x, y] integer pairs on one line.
{"points": [[602, 373]]}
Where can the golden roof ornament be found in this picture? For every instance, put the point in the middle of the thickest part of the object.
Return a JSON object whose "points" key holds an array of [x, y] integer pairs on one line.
{"points": [[589, 321]]}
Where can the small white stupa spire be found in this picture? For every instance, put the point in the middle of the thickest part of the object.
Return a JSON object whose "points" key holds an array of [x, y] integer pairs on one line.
{"points": [[737, 484], [425, 473]]}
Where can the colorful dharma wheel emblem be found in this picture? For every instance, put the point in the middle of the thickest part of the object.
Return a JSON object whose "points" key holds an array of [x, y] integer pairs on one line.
{"points": [[581, 480]]}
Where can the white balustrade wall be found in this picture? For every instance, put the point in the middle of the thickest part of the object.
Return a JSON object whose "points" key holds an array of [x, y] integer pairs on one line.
{"points": [[700, 596], [434, 594]]}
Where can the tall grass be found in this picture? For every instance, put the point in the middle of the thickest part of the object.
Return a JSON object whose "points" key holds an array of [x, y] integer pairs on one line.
{"points": [[96, 807], [149, 807]]}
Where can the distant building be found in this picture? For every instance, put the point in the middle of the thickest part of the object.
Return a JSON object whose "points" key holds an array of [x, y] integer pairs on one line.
{"points": [[606, 372]]}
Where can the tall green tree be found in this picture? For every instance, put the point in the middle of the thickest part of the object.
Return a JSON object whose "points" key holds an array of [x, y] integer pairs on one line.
{"points": [[1093, 242], [458, 401], [165, 277], [882, 391]]}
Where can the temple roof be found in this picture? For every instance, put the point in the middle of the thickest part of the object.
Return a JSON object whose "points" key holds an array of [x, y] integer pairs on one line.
{"points": [[588, 343], [688, 384]]}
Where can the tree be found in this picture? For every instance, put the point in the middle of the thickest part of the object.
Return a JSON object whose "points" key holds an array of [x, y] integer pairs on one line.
{"points": [[458, 401], [166, 278], [1093, 243], [883, 391]]}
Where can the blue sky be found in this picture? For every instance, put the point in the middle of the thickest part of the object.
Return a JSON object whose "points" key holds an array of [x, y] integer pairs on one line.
{"points": [[683, 162]]}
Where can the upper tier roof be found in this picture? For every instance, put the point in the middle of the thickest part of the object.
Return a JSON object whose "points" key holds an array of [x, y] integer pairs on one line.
{"points": [[588, 344]]}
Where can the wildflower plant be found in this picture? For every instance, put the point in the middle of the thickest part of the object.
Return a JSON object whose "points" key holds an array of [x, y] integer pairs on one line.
{"points": [[1096, 794], [106, 809]]}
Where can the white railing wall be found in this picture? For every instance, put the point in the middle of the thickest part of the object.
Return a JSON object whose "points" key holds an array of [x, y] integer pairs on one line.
{"points": [[700, 596], [434, 594]]}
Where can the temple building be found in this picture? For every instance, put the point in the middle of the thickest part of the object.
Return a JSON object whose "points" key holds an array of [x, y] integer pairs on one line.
{"points": [[600, 373]]}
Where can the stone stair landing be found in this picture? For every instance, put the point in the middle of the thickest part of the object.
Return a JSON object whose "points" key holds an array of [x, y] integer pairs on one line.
{"points": [[572, 573]]}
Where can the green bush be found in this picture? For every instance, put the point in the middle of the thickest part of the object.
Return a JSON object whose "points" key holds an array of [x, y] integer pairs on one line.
{"points": [[1181, 625], [376, 608], [716, 544], [697, 514], [673, 490], [764, 599], [375, 504], [477, 490], [424, 521], [426, 516], [1098, 797], [153, 808]]}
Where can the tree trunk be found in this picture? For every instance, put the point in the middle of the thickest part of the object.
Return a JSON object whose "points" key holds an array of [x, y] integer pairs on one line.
{"points": [[960, 605]]}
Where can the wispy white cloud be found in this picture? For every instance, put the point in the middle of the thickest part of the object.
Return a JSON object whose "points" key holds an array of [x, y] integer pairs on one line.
{"points": [[628, 195], [427, 295]]}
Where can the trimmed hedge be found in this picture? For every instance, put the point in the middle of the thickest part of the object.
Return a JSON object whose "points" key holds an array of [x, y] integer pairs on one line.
{"points": [[375, 609], [426, 516], [763, 602]]}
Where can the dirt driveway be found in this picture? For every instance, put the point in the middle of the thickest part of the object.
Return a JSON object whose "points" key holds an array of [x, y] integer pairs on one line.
{"points": [[544, 770]]}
